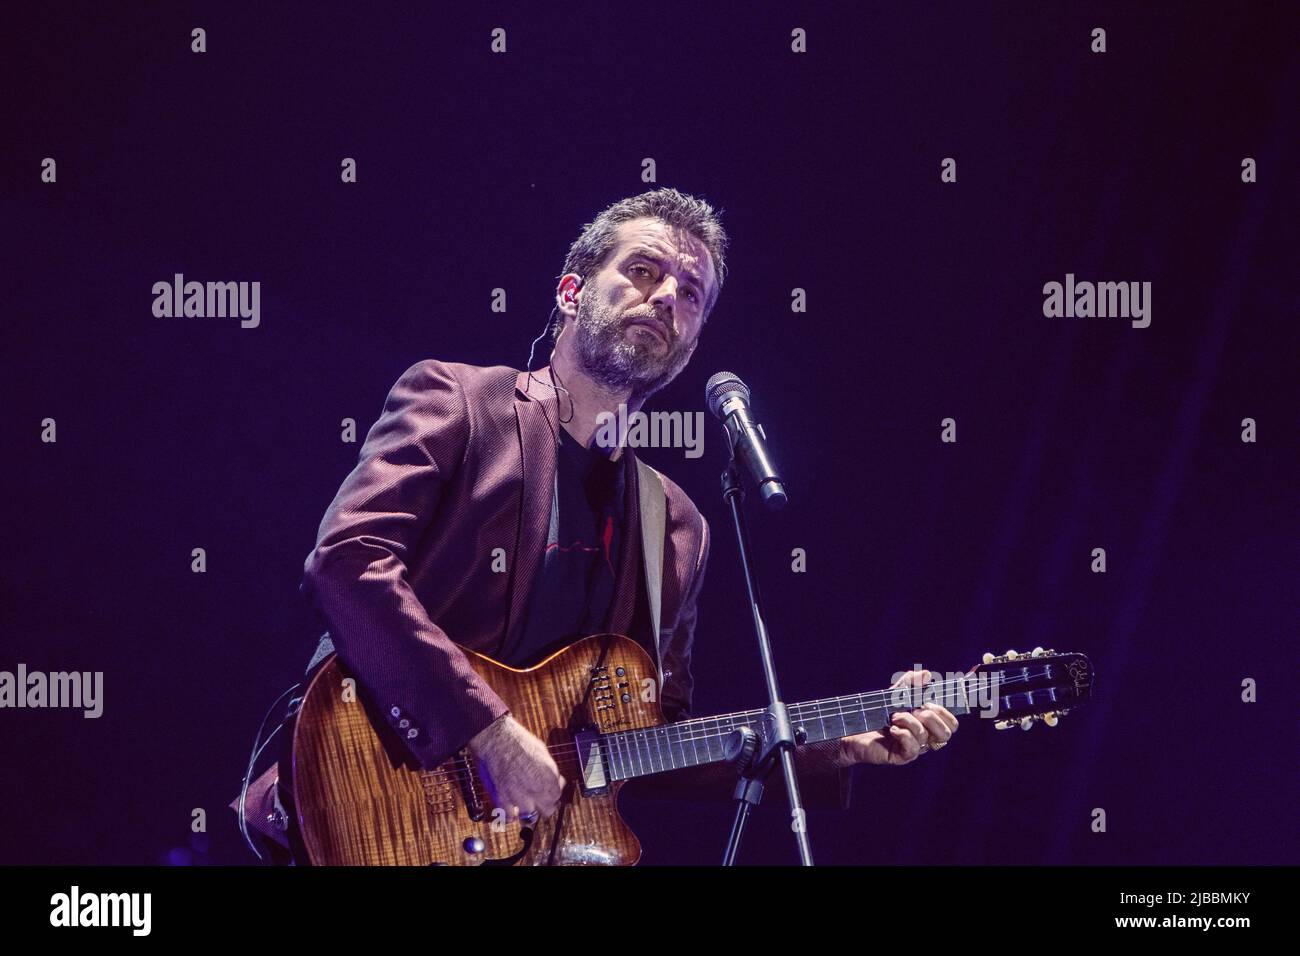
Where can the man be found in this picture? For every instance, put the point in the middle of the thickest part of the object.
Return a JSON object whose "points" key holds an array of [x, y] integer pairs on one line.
{"points": [[471, 470]]}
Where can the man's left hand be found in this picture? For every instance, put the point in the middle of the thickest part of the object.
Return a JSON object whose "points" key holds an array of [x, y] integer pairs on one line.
{"points": [[910, 733]]}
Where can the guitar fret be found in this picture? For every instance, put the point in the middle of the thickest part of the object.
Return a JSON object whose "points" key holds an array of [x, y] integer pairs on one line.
{"points": [[650, 750], [859, 714]]}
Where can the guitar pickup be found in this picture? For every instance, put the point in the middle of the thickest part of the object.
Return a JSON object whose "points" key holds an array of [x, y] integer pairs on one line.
{"points": [[592, 775]]}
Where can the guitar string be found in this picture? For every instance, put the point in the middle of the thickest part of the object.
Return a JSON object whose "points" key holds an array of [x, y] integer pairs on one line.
{"points": [[606, 742], [801, 711], [568, 765]]}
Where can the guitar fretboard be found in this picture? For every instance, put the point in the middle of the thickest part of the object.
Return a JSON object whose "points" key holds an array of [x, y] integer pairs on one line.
{"points": [[691, 743]]}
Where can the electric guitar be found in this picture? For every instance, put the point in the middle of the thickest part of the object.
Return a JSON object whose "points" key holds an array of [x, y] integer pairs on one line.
{"points": [[361, 799]]}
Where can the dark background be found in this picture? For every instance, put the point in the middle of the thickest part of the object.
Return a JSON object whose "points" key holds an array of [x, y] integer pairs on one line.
{"points": [[476, 171]]}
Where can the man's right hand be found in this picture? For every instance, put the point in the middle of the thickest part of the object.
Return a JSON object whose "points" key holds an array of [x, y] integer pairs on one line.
{"points": [[517, 768]]}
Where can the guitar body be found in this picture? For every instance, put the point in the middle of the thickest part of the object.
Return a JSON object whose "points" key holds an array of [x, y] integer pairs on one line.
{"points": [[362, 800]]}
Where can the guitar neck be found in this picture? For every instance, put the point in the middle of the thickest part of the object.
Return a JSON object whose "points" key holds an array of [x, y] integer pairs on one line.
{"points": [[691, 743]]}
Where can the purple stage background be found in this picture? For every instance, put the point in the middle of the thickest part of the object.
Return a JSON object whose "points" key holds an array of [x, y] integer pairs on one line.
{"points": [[475, 171]]}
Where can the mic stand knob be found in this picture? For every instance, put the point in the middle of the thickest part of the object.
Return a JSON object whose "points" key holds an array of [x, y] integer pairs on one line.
{"points": [[739, 748]]}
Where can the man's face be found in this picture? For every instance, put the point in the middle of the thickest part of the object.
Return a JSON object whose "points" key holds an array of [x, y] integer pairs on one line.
{"points": [[639, 317]]}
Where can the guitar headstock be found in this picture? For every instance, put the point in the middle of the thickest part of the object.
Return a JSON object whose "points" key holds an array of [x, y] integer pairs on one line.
{"points": [[1040, 685]]}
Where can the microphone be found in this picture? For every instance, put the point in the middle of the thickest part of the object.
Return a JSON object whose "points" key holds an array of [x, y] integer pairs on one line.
{"points": [[728, 399]]}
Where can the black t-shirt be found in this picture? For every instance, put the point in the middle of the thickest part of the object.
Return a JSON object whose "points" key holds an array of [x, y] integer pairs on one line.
{"points": [[573, 593]]}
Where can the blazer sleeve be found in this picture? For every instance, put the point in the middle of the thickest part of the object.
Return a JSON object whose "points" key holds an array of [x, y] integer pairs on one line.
{"points": [[822, 782], [357, 576]]}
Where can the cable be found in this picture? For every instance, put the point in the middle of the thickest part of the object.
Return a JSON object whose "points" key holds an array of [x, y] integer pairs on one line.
{"points": [[258, 746], [528, 366]]}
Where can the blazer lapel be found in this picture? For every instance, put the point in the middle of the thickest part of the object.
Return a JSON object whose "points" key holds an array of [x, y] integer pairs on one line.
{"points": [[535, 413], [536, 410]]}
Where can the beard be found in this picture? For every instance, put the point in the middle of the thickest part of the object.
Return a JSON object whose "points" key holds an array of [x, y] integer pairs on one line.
{"points": [[638, 363]]}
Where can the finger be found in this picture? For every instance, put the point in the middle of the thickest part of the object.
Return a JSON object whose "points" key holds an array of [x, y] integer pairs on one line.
{"points": [[912, 678], [937, 730], [551, 801], [912, 724], [947, 716], [554, 787], [908, 746]]}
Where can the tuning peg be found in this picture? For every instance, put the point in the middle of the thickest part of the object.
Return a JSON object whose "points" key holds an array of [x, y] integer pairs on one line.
{"points": [[988, 657], [1038, 652], [1050, 719], [1002, 725], [1027, 723], [1012, 655]]}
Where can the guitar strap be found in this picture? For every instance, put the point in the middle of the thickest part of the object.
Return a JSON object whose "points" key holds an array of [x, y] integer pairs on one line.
{"points": [[653, 505]]}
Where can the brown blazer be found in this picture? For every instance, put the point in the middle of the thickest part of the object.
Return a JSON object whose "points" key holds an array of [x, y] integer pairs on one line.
{"points": [[462, 463], [459, 469]]}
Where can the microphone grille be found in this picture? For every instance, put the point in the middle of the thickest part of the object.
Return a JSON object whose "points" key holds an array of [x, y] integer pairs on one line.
{"points": [[721, 385]]}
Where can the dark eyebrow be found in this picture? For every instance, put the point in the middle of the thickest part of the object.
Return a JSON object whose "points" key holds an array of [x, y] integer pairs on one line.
{"points": [[654, 257]]}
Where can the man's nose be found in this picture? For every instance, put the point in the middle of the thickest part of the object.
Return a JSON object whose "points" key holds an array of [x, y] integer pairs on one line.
{"points": [[665, 297]]}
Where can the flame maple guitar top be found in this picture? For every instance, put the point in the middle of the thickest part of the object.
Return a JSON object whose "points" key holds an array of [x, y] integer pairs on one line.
{"points": [[361, 799]]}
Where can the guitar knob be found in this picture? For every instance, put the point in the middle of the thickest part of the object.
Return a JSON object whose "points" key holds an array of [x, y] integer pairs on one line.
{"points": [[988, 657], [1012, 655], [474, 845], [1027, 724], [1050, 719], [1038, 652]]}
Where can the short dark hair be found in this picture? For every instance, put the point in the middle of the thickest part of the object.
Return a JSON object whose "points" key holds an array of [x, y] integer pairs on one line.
{"points": [[598, 237]]}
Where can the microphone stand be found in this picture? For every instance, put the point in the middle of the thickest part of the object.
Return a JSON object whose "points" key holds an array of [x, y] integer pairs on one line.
{"points": [[756, 756]]}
